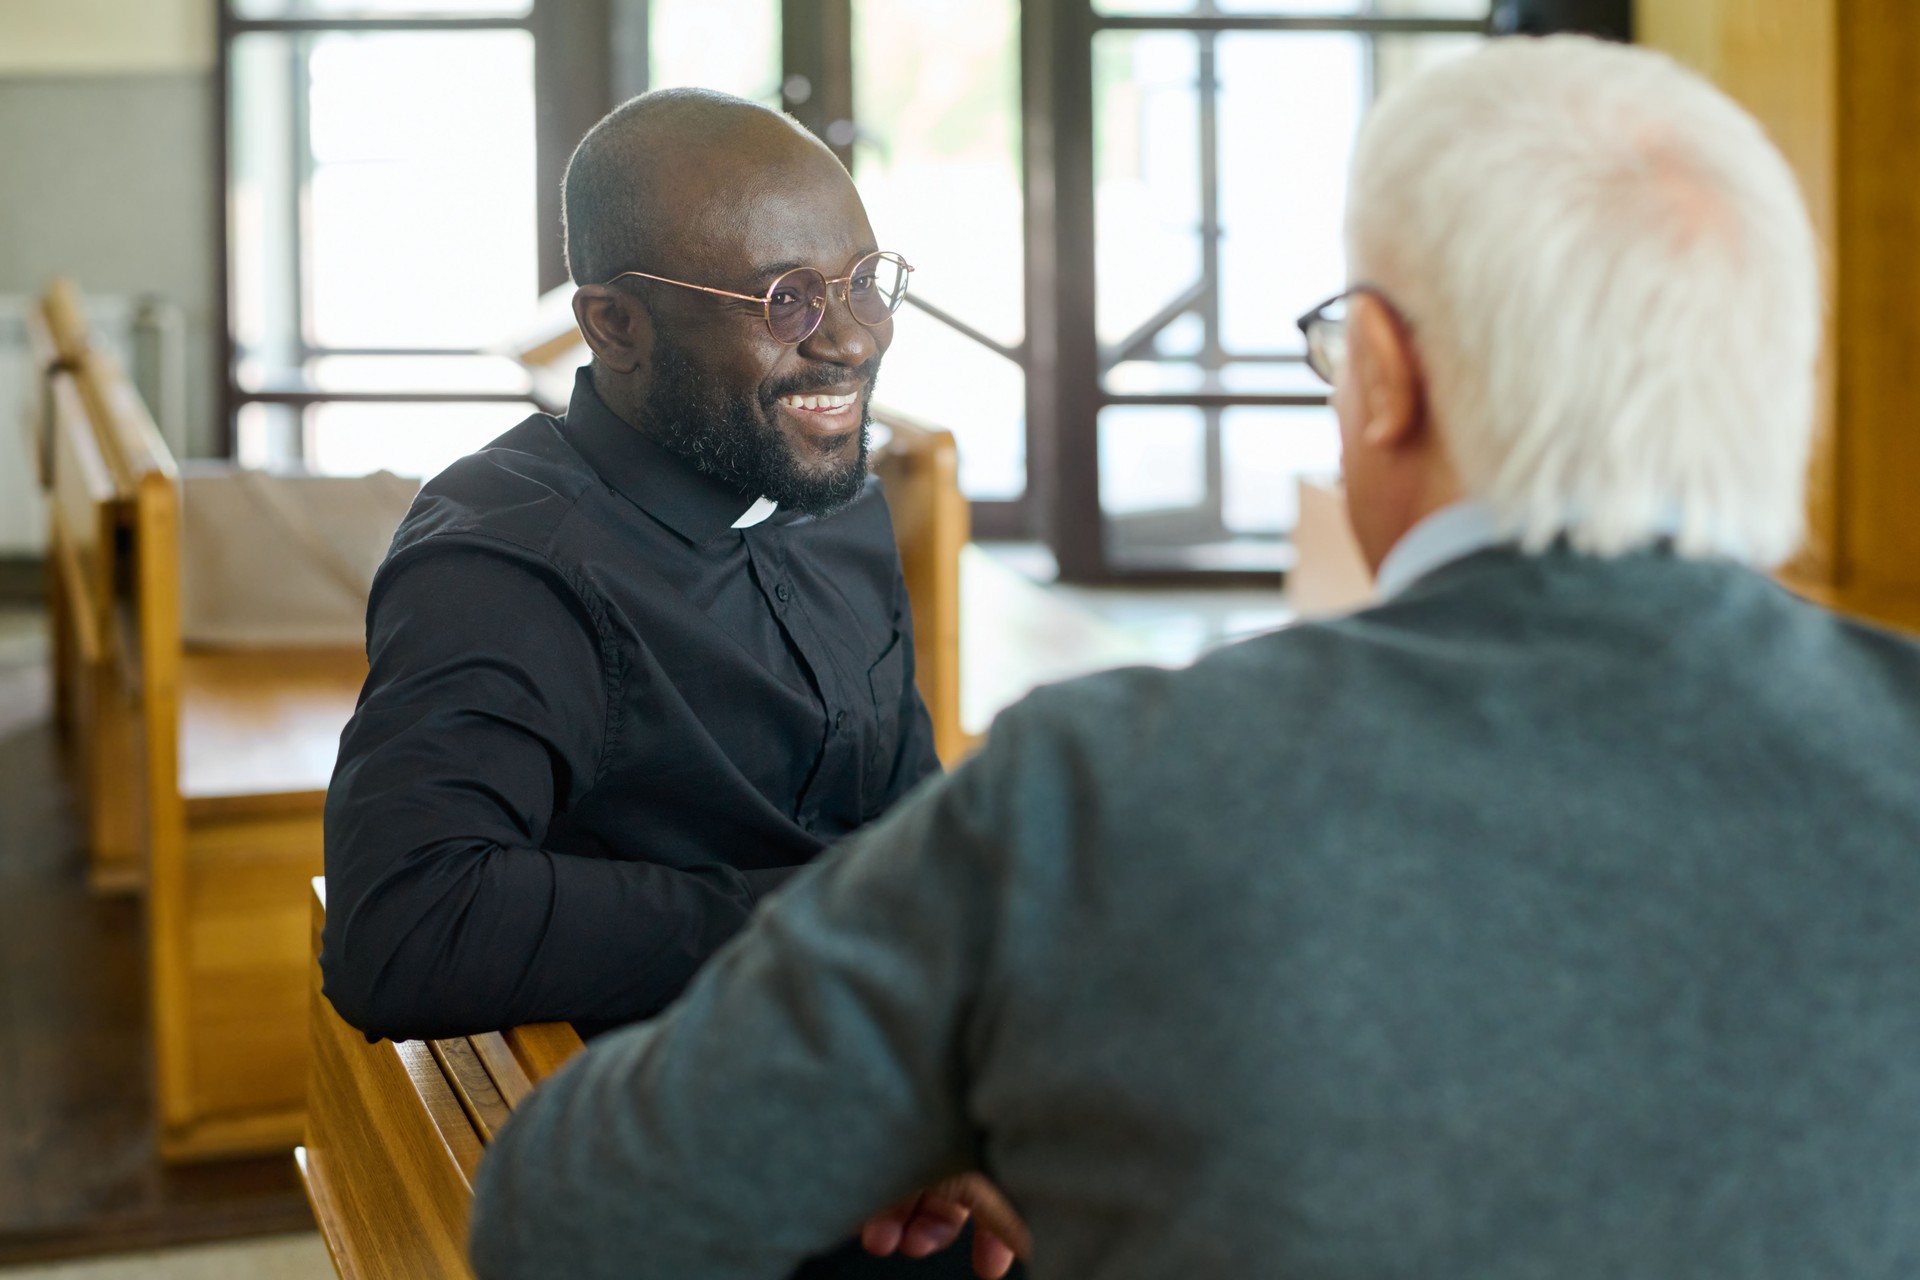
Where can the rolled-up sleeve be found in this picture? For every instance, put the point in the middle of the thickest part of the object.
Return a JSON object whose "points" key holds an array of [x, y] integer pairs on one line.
{"points": [[484, 716]]}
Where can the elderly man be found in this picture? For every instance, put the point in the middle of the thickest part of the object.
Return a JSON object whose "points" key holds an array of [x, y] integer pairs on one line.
{"points": [[1556, 917]]}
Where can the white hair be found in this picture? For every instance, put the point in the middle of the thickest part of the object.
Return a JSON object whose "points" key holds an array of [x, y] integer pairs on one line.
{"points": [[1613, 285]]}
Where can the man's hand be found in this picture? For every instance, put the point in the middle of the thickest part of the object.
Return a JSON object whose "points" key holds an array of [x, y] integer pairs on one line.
{"points": [[927, 1223]]}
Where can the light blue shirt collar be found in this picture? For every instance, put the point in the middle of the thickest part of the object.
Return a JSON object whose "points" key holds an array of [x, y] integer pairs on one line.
{"points": [[1454, 532]]}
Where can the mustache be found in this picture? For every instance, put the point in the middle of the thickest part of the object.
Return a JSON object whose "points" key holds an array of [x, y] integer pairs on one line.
{"points": [[821, 377]]}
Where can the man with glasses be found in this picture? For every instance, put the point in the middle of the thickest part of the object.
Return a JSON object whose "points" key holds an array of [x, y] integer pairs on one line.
{"points": [[633, 667], [1555, 917]]}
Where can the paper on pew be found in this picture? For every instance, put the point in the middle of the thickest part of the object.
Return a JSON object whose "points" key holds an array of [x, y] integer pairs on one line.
{"points": [[1329, 576], [273, 560]]}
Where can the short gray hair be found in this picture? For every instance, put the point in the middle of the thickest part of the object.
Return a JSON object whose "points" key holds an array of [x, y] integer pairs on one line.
{"points": [[1614, 287]]}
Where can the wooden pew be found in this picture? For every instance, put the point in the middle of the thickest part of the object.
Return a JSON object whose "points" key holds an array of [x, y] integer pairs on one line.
{"points": [[36, 420], [43, 359], [66, 319], [94, 656], [920, 469], [395, 1132], [238, 747]]}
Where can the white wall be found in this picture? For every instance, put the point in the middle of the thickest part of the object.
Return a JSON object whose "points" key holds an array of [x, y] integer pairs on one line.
{"points": [[105, 37], [106, 174]]}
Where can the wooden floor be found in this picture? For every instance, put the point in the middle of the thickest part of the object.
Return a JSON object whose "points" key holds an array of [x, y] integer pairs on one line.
{"points": [[78, 1173]]}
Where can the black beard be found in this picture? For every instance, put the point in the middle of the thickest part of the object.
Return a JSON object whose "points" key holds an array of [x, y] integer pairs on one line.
{"points": [[734, 437]]}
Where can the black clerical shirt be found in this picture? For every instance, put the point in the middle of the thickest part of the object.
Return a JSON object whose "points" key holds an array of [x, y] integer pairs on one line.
{"points": [[600, 722]]}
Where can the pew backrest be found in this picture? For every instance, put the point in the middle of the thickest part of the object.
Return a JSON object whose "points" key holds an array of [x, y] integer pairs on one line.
{"points": [[66, 319], [85, 534], [36, 410], [919, 468], [149, 482]]}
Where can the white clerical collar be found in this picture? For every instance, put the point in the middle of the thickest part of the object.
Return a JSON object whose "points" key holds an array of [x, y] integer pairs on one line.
{"points": [[760, 510], [1454, 532]]}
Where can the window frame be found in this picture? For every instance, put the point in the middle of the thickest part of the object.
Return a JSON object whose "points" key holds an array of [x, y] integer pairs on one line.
{"points": [[573, 87], [1066, 390]]}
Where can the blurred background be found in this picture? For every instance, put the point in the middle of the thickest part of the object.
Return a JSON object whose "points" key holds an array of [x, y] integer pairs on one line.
{"points": [[320, 223]]}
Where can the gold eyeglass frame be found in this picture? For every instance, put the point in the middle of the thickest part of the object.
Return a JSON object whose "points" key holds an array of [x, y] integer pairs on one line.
{"points": [[766, 300]]}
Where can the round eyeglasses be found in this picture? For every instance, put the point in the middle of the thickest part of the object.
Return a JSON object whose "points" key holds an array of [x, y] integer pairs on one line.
{"points": [[1325, 329], [796, 302]]}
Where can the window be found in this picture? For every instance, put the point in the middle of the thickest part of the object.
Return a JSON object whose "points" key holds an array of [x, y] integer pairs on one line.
{"points": [[729, 45], [382, 227], [937, 160], [1116, 208], [1199, 215]]}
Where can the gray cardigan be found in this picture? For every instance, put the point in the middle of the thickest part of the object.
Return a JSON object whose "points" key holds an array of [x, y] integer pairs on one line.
{"points": [[1560, 918]]}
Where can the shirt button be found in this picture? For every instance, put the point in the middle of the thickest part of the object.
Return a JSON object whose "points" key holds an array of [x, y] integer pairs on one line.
{"points": [[782, 592], [839, 721]]}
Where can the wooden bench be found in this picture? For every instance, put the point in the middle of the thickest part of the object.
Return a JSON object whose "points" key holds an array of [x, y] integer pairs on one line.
{"points": [[395, 1131], [235, 751], [919, 466], [36, 421], [95, 661]]}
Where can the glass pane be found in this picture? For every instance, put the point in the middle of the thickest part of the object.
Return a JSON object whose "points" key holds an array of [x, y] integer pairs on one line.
{"points": [[1283, 189], [1473, 9], [1152, 458], [1289, 105], [1146, 176], [729, 45], [1156, 378], [938, 165], [1265, 452], [1399, 58], [263, 198], [946, 379], [1246, 378], [1282, 110], [267, 437], [351, 439], [422, 224], [1271, 377], [938, 162], [382, 8], [451, 375]]}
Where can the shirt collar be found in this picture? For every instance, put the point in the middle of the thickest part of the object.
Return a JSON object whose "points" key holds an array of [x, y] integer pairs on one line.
{"points": [[760, 510], [1454, 532], [697, 506]]}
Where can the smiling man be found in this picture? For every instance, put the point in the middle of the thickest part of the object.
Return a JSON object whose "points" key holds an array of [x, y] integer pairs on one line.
{"points": [[632, 667]]}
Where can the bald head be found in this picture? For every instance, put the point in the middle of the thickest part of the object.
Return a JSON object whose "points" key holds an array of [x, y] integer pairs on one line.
{"points": [[665, 160], [685, 187]]}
